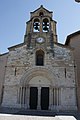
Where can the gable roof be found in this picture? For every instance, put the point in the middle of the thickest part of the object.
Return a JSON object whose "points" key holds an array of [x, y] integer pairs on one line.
{"points": [[4, 54], [16, 46], [70, 36], [63, 45], [41, 8]]}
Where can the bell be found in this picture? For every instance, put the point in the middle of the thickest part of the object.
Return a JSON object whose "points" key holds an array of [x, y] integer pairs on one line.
{"points": [[36, 24], [45, 28], [36, 27], [45, 24]]}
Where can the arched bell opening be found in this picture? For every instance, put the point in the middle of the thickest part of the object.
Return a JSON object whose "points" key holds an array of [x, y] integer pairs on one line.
{"points": [[36, 25], [45, 25], [40, 58]]}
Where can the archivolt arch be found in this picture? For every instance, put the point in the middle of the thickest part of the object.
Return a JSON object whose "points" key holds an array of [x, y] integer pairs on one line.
{"points": [[36, 71]]}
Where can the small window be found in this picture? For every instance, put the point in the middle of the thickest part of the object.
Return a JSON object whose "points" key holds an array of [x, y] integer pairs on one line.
{"points": [[41, 14], [39, 58]]}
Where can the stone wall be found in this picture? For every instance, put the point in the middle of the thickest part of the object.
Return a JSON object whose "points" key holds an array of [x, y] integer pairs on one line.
{"points": [[58, 69], [74, 42], [3, 62]]}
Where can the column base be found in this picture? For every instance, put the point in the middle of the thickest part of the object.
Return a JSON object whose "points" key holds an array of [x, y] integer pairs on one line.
{"points": [[51, 107], [38, 107]]}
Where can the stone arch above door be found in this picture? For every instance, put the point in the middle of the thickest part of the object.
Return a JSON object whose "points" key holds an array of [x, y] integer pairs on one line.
{"points": [[34, 72], [39, 80]]}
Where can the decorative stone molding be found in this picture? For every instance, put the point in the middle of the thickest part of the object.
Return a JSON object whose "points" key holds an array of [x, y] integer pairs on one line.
{"points": [[36, 71]]}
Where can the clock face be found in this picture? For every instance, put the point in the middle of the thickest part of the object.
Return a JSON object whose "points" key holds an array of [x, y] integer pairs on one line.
{"points": [[40, 40]]}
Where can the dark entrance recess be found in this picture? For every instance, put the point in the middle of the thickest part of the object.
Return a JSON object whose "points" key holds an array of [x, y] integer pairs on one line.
{"points": [[44, 98], [33, 97]]}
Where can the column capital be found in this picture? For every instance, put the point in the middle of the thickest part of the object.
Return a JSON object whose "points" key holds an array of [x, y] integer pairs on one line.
{"points": [[39, 88], [51, 87]]}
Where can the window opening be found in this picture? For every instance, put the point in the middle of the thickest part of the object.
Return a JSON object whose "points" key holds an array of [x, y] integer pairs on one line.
{"points": [[15, 71], [36, 25], [65, 72], [40, 58], [41, 14], [45, 25]]}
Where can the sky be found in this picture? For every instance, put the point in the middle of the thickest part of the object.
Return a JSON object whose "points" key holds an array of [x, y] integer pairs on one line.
{"points": [[15, 13]]}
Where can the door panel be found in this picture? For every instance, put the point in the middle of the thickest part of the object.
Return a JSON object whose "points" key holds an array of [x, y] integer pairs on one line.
{"points": [[44, 98], [33, 97]]}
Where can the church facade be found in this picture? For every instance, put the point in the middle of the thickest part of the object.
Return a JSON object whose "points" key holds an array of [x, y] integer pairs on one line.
{"points": [[39, 73]]}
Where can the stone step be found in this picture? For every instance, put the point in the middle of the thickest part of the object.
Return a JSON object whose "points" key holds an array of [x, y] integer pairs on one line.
{"points": [[37, 114], [23, 117]]}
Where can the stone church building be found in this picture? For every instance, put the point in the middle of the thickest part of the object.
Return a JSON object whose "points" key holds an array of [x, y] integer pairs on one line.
{"points": [[73, 40], [38, 73]]}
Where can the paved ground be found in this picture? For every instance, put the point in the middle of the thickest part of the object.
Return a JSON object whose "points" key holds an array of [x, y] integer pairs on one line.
{"points": [[17, 114], [23, 117]]}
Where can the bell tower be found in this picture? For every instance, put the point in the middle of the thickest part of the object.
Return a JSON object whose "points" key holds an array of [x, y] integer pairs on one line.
{"points": [[40, 29]]}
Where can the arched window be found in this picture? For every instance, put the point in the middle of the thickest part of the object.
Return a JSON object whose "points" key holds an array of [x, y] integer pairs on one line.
{"points": [[39, 58], [36, 25], [45, 25], [41, 14]]}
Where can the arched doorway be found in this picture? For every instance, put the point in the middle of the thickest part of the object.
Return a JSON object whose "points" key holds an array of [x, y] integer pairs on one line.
{"points": [[39, 93], [37, 79]]}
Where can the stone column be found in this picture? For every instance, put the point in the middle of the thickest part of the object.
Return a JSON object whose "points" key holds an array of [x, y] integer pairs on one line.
{"points": [[50, 98], [21, 96], [25, 97], [54, 98], [57, 96], [41, 28], [32, 28], [18, 95], [39, 99], [28, 96]]}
